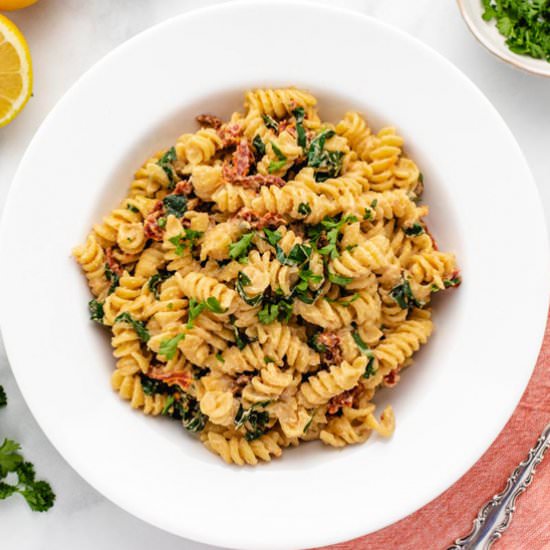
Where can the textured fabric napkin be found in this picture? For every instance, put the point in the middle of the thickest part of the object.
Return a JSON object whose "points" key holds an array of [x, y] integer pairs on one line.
{"points": [[451, 515]]}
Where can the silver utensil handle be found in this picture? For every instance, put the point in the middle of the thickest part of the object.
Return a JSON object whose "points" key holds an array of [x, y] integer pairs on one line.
{"points": [[496, 515]]}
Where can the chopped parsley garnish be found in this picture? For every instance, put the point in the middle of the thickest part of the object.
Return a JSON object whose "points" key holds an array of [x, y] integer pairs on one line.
{"points": [[96, 311], [214, 305], [369, 212], [276, 309], [241, 338], [150, 386], [365, 350], [272, 237], [252, 420], [240, 248], [332, 227], [344, 303], [196, 308], [259, 147], [455, 281], [184, 240], [327, 163], [414, 230], [169, 347], [299, 254], [524, 23], [404, 296], [301, 137], [132, 208], [242, 281], [111, 277], [156, 280], [38, 494], [138, 326], [271, 123], [175, 205], [268, 360], [275, 166], [315, 344], [304, 209], [219, 357], [161, 222], [167, 405], [315, 153], [165, 162], [338, 279]]}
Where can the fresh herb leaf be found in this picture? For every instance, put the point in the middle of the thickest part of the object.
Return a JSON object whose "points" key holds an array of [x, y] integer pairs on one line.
{"points": [[187, 410], [240, 248], [165, 162], [132, 208], [138, 326], [38, 494], [304, 209], [403, 295], [268, 360], [184, 240], [175, 205], [96, 311], [169, 347], [414, 230], [242, 281], [314, 156], [272, 237], [252, 420], [111, 277], [150, 386], [280, 155], [301, 137], [156, 280], [271, 123], [315, 344], [259, 147], [167, 405], [214, 305], [275, 166], [455, 281], [268, 314], [365, 350], [219, 357], [338, 279], [195, 309], [241, 338], [161, 222]]}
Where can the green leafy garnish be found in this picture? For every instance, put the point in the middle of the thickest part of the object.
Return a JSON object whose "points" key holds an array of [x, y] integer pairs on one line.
{"points": [[369, 212], [365, 350], [271, 123], [315, 153], [214, 305], [304, 209], [414, 230], [327, 163], [242, 281], [111, 277], [301, 138], [240, 248], [156, 280], [241, 338], [276, 310], [132, 208], [524, 23], [184, 240], [268, 314], [165, 162], [167, 405], [275, 166], [299, 254], [219, 357], [344, 303], [332, 227], [315, 344], [268, 360], [252, 420], [259, 147], [161, 222], [404, 296], [338, 279], [175, 205], [196, 308], [38, 494], [96, 311], [169, 347], [138, 326], [150, 386], [187, 410], [455, 281], [272, 237]]}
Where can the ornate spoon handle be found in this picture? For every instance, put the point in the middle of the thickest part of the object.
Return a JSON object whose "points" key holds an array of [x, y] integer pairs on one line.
{"points": [[496, 515]]}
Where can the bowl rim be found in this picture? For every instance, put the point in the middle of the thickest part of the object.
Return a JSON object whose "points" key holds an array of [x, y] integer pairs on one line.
{"points": [[4, 228], [508, 57]]}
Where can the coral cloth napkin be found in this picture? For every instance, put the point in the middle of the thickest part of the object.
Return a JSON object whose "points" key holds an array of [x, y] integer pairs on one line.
{"points": [[450, 516]]}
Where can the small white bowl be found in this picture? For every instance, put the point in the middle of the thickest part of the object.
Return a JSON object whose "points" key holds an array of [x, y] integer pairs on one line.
{"points": [[489, 36]]}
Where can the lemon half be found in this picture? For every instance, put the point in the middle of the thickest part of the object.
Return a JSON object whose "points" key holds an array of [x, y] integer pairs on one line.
{"points": [[15, 71]]}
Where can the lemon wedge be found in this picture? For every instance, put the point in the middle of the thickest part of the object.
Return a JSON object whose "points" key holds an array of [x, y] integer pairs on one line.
{"points": [[15, 71]]}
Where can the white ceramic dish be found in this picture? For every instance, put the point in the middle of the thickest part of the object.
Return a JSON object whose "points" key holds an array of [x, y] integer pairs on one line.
{"points": [[487, 34], [449, 407]]}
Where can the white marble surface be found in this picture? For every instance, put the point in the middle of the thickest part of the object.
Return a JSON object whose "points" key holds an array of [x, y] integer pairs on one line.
{"points": [[66, 37]]}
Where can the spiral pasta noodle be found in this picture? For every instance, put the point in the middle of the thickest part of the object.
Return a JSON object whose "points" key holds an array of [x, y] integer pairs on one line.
{"points": [[266, 276]]}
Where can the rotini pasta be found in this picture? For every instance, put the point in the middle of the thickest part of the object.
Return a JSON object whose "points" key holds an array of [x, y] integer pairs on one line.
{"points": [[266, 276]]}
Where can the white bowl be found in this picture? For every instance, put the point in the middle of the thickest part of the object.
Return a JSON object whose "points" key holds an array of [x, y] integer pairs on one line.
{"points": [[489, 36], [450, 405]]}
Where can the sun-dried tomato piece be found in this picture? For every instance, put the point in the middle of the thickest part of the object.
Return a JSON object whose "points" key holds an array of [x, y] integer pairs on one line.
{"points": [[209, 121]]}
